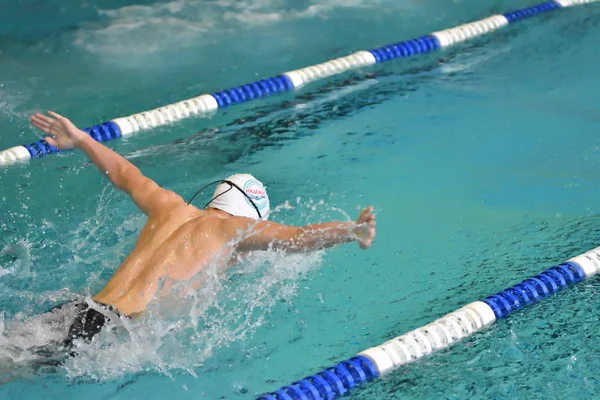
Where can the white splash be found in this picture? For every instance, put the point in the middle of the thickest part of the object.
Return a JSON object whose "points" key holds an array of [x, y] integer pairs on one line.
{"points": [[180, 333], [176, 334], [21, 251]]}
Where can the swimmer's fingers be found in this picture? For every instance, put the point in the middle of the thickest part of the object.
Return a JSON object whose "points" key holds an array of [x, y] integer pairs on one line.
{"points": [[56, 115], [367, 221], [51, 141], [42, 122], [369, 241], [366, 215], [366, 244]]}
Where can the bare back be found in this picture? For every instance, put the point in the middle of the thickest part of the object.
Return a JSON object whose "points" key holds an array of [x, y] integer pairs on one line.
{"points": [[176, 245]]}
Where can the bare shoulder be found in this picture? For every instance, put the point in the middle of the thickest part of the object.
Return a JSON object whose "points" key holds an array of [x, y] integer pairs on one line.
{"points": [[165, 197], [233, 225], [231, 228], [247, 224], [175, 213], [250, 234]]}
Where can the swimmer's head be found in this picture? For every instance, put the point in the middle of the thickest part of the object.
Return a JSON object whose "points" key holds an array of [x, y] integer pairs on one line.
{"points": [[241, 195]]}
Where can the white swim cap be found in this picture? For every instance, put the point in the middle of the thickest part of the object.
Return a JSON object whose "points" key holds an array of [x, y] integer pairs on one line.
{"points": [[231, 200]]}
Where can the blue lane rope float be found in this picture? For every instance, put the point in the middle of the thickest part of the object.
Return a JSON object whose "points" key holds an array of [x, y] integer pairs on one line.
{"points": [[208, 103], [372, 363], [329, 383]]}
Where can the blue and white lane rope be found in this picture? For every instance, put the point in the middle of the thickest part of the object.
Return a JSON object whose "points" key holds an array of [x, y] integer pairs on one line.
{"points": [[208, 103], [334, 382]]}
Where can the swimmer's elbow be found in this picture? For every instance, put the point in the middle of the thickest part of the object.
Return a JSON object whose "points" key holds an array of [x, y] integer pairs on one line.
{"points": [[124, 175]]}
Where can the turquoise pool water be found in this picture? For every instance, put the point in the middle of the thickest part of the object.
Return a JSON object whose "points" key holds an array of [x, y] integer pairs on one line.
{"points": [[481, 162]]}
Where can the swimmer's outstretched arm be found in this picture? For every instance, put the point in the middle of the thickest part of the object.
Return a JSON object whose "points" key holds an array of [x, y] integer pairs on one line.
{"points": [[146, 194], [264, 234]]}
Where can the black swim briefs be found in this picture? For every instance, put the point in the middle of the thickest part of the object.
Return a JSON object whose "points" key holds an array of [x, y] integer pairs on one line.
{"points": [[87, 323]]}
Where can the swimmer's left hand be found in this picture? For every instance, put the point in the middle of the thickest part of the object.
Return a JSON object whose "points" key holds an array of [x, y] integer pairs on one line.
{"points": [[63, 134], [364, 229]]}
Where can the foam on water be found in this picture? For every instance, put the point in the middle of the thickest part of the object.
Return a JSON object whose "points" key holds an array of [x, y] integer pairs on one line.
{"points": [[143, 29]]}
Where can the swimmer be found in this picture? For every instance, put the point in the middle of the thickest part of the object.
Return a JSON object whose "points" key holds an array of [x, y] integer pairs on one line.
{"points": [[179, 240]]}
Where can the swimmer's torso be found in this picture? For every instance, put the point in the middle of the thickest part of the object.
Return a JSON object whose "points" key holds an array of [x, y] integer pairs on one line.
{"points": [[176, 246]]}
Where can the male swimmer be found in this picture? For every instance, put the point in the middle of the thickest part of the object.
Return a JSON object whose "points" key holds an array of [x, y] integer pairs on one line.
{"points": [[180, 240]]}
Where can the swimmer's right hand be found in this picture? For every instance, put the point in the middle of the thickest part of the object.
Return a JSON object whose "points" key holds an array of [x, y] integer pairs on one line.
{"points": [[364, 229], [63, 134]]}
